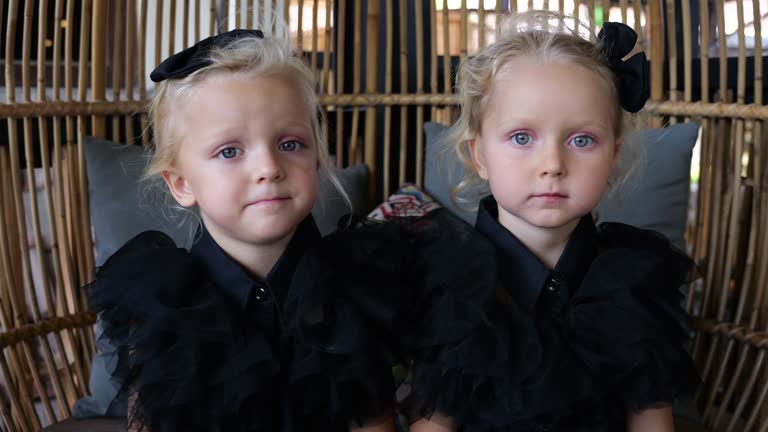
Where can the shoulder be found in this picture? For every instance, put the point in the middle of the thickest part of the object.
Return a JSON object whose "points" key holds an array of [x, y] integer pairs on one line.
{"points": [[148, 270], [623, 246], [615, 235], [145, 247]]}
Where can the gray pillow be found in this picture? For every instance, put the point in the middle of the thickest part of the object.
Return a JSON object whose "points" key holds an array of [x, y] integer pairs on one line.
{"points": [[443, 171], [120, 209], [655, 197]]}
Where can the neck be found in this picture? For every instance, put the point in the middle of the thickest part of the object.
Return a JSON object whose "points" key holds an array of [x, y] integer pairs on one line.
{"points": [[257, 259], [547, 244]]}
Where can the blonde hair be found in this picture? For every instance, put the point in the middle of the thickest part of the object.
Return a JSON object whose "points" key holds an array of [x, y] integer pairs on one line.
{"points": [[270, 56], [546, 36]]}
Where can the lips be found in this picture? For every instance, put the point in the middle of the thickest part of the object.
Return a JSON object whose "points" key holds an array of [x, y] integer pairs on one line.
{"points": [[553, 195], [268, 200]]}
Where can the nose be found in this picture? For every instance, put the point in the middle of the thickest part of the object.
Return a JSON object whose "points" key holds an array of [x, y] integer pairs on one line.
{"points": [[552, 162], [267, 167]]}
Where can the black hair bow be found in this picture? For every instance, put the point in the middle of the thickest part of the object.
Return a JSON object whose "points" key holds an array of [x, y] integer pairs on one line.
{"points": [[616, 41], [196, 57]]}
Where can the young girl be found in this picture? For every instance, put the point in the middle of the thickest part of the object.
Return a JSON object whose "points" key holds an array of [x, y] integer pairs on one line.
{"points": [[210, 344], [584, 326]]}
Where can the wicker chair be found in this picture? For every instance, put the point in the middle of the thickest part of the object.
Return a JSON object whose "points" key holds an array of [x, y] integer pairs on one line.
{"points": [[76, 68]]}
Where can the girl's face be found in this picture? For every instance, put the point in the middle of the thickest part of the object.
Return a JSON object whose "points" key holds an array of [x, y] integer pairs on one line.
{"points": [[247, 158], [547, 143]]}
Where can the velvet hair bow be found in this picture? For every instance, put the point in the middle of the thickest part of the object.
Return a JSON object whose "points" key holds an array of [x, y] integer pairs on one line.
{"points": [[197, 57], [616, 41]]}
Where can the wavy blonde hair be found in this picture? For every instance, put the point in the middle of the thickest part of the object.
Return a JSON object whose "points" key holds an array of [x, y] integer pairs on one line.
{"points": [[548, 37], [249, 57]]}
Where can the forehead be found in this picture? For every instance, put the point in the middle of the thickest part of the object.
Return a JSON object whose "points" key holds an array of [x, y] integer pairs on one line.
{"points": [[529, 88], [232, 99], [251, 88]]}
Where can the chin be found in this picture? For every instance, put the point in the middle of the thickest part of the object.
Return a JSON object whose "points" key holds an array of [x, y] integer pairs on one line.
{"points": [[271, 233], [552, 223]]}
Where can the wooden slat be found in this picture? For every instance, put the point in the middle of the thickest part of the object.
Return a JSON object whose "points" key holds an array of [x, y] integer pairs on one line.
{"points": [[129, 59], [142, 62], [403, 144], [313, 56], [117, 16], [419, 14], [388, 90], [340, 58], [171, 27], [372, 66], [354, 150]]}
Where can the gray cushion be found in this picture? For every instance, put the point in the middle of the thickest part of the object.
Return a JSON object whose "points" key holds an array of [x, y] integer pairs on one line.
{"points": [[655, 197], [121, 209]]}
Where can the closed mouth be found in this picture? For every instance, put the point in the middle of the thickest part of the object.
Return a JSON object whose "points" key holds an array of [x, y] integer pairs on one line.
{"points": [[269, 200]]}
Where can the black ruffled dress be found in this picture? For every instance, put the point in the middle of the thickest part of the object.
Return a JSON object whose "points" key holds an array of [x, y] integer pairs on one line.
{"points": [[569, 349], [209, 348]]}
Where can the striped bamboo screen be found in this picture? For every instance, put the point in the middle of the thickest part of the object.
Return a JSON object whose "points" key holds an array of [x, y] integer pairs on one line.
{"points": [[78, 67]]}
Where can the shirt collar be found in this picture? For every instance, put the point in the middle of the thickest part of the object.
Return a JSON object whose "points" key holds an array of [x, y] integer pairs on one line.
{"points": [[229, 276], [527, 275]]}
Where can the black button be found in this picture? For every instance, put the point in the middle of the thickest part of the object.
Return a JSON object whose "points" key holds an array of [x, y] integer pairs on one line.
{"points": [[260, 293], [552, 285]]}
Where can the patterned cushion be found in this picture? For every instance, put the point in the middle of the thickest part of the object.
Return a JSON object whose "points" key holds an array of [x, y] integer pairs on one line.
{"points": [[408, 201]]}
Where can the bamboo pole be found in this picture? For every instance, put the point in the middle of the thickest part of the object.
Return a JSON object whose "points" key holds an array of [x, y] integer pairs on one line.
{"points": [[672, 54], [354, 151], [759, 362], [130, 55], [371, 82], [171, 27], [197, 18], [403, 144], [433, 56], [420, 88], [655, 28], [142, 64], [314, 39], [481, 27], [19, 219], [300, 32], [388, 90], [340, 50], [117, 17], [98, 64], [159, 30], [325, 79]]}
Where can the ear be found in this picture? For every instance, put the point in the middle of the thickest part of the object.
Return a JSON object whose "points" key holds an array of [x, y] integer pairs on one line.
{"points": [[179, 188], [478, 158]]}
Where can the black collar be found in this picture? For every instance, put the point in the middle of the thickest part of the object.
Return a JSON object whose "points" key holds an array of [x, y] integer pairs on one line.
{"points": [[229, 276], [521, 271]]}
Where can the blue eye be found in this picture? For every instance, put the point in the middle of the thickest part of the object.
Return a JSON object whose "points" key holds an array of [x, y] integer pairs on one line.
{"points": [[521, 138], [582, 141], [229, 153], [290, 146]]}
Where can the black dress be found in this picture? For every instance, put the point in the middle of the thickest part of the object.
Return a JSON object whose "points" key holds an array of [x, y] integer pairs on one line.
{"points": [[568, 349], [210, 348]]}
